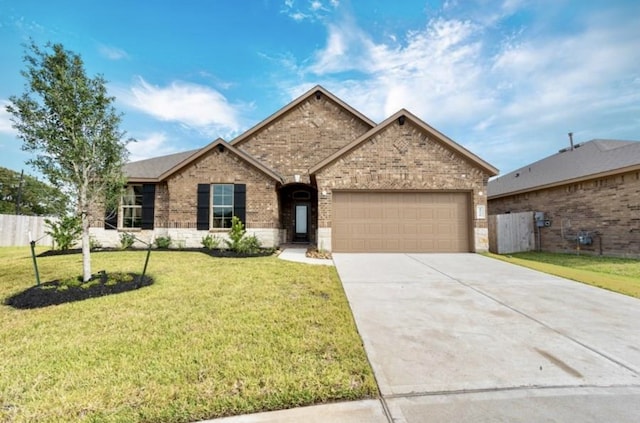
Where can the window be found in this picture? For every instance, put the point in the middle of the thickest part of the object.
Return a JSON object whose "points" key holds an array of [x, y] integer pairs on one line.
{"points": [[131, 207], [218, 203], [222, 201]]}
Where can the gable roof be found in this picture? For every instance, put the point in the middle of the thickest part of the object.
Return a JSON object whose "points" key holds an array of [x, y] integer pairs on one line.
{"points": [[292, 105], [151, 169], [596, 158], [184, 159], [405, 114]]}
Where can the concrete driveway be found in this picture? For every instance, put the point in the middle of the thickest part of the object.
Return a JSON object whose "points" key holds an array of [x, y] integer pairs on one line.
{"points": [[462, 337]]}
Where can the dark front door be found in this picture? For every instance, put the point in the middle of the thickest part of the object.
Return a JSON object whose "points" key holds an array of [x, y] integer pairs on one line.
{"points": [[301, 222]]}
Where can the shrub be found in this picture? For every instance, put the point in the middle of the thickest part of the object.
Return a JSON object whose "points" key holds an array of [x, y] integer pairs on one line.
{"points": [[235, 234], [94, 244], [163, 242], [210, 242], [126, 240], [249, 245], [64, 232]]}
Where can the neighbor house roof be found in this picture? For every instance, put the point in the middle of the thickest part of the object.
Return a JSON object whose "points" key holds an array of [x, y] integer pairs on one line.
{"points": [[405, 114], [593, 159]]}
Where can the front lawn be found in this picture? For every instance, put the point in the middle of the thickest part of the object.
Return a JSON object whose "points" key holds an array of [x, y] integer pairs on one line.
{"points": [[211, 337], [615, 274]]}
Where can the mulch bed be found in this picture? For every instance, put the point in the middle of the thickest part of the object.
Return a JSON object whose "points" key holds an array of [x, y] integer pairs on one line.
{"points": [[213, 253], [60, 292]]}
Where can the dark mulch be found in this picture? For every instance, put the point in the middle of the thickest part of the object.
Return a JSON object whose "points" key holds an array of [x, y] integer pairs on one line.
{"points": [[60, 292], [213, 253]]}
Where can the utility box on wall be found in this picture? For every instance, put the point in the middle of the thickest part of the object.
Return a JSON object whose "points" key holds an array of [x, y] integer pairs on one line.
{"points": [[539, 219]]}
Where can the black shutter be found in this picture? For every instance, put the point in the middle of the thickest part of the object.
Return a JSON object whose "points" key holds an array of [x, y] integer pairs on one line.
{"points": [[111, 219], [240, 202], [148, 201], [204, 199]]}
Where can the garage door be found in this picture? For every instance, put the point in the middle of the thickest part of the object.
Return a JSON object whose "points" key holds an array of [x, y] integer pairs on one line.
{"points": [[400, 222]]}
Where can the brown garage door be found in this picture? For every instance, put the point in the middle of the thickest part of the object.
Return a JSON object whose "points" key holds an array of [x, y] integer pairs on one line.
{"points": [[400, 222]]}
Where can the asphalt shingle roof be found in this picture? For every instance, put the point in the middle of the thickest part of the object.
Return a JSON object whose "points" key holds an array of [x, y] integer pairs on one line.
{"points": [[154, 167], [586, 159]]}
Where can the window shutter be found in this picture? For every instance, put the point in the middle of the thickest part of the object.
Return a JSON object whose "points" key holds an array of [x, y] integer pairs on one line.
{"points": [[111, 219], [202, 221], [148, 200], [240, 202]]}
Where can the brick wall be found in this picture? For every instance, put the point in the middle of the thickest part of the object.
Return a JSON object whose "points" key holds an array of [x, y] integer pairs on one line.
{"points": [[608, 208], [303, 137], [403, 157], [224, 168]]}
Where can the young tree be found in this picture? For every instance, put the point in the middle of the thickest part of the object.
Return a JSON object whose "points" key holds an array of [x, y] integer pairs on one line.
{"points": [[67, 119]]}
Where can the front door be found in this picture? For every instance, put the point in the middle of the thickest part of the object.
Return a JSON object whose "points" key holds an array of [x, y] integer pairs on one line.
{"points": [[301, 224]]}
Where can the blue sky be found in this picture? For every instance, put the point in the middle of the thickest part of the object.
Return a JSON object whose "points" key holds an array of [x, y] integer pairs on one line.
{"points": [[507, 79]]}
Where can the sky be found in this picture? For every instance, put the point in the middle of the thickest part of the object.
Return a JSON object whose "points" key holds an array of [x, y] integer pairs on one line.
{"points": [[507, 79]]}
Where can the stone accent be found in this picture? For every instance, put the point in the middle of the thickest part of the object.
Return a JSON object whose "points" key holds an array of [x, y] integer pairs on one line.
{"points": [[303, 137], [183, 238], [608, 208], [428, 164], [324, 239]]}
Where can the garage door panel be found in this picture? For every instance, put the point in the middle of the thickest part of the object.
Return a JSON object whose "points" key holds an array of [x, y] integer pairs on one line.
{"points": [[400, 222]]}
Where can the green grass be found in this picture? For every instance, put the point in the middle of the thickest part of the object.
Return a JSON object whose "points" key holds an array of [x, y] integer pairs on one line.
{"points": [[212, 337], [615, 274]]}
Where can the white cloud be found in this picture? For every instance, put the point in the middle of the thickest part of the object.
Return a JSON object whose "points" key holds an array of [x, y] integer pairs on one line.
{"points": [[507, 96], [311, 10], [112, 53], [196, 106], [5, 119], [151, 145]]}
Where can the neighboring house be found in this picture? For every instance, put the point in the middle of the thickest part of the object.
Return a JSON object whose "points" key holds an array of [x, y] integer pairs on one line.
{"points": [[589, 196], [318, 172]]}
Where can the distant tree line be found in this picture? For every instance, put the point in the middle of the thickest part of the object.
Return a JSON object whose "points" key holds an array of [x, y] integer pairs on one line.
{"points": [[28, 196]]}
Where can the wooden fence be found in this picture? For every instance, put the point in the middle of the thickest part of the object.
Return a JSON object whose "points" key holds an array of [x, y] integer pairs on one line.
{"points": [[14, 230], [511, 233]]}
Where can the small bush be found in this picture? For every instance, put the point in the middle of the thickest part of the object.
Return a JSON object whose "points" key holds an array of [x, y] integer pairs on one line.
{"points": [[65, 232], [163, 242], [235, 234], [249, 245], [126, 240], [94, 244], [210, 242]]}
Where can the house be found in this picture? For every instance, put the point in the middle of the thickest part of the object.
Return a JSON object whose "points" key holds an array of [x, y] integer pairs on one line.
{"points": [[319, 172], [587, 196]]}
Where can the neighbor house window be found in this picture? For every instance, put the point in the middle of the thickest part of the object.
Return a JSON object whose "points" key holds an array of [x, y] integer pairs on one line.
{"points": [[131, 207], [222, 205]]}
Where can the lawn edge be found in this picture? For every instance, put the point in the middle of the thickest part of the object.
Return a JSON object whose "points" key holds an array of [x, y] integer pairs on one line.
{"points": [[629, 286]]}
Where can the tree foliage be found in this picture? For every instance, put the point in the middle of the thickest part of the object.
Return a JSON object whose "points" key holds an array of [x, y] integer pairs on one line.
{"points": [[69, 122], [34, 197]]}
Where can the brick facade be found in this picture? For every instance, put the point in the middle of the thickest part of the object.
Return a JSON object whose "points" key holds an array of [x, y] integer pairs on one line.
{"points": [[608, 209], [303, 137], [278, 160], [221, 168], [404, 157]]}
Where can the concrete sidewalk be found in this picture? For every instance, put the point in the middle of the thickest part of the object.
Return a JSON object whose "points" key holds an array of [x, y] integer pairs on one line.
{"points": [[299, 255]]}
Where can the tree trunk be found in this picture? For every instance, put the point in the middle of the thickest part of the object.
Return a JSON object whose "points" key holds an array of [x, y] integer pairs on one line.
{"points": [[86, 245], [86, 249]]}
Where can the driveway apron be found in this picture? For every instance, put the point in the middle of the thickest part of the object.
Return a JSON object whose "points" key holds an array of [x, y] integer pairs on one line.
{"points": [[463, 337]]}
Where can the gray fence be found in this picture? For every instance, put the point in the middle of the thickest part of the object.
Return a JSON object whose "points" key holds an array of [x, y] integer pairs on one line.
{"points": [[511, 233], [15, 230]]}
